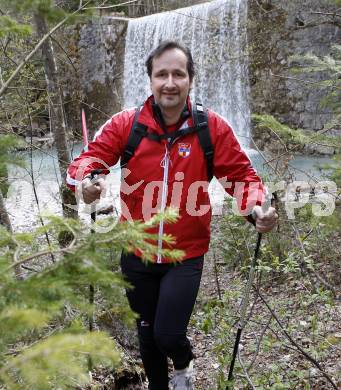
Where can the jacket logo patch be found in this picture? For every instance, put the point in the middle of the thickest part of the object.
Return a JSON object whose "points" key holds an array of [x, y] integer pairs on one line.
{"points": [[184, 149]]}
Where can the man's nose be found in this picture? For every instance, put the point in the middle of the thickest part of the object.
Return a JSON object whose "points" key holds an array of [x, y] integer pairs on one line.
{"points": [[170, 81]]}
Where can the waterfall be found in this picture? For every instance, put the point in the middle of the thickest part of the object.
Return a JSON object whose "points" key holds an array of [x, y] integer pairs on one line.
{"points": [[216, 33]]}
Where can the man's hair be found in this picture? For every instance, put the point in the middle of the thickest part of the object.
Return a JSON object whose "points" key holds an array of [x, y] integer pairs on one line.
{"points": [[169, 45]]}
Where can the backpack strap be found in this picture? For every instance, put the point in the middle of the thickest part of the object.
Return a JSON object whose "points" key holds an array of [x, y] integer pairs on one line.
{"points": [[170, 136], [137, 132], [200, 119]]}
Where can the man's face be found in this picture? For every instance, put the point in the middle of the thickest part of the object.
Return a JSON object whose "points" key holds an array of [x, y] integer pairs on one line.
{"points": [[169, 82]]}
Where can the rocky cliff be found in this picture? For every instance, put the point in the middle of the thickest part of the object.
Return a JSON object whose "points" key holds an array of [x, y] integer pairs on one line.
{"points": [[94, 81], [279, 30]]}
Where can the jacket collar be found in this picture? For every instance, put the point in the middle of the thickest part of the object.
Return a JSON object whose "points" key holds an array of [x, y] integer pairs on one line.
{"points": [[147, 115]]}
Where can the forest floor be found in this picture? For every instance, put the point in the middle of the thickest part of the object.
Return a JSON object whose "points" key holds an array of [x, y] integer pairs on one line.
{"points": [[263, 344], [269, 359]]}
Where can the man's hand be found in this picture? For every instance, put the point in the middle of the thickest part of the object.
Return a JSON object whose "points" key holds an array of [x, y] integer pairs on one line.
{"points": [[265, 221], [91, 190]]}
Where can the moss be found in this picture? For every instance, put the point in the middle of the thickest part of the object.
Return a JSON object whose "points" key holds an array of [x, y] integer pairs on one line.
{"points": [[272, 134]]}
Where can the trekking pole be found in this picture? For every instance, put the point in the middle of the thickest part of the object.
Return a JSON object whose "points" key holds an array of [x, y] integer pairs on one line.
{"points": [[242, 320], [93, 175], [246, 300]]}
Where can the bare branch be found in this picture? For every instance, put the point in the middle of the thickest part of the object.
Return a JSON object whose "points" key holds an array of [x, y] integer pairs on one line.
{"points": [[68, 249], [216, 276], [334, 14], [246, 373], [267, 162], [29, 268], [294, 78], [298, 347], [37, 47], [113, 6], [265, 328], [65, 52], [30, 55], [71, 248], [303, 265], [33, 177], [263, 9]]}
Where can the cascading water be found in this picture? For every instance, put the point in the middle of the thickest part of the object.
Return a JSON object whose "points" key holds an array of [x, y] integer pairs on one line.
{"points": [[216, 34]]}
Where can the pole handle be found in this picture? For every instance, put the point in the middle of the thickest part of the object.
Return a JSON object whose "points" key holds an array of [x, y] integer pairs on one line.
{"points": [[94, 175]]}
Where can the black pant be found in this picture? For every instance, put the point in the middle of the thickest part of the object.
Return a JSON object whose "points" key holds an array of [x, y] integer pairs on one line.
{"points": [[163, 295]]}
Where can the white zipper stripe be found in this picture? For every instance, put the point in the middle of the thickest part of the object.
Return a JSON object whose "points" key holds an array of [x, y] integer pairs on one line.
{"points": [[165, 165]]}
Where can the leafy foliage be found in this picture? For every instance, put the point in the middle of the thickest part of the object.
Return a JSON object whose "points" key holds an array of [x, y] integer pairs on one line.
{"points": [[41, 346], [267, 356], [296, 272]]}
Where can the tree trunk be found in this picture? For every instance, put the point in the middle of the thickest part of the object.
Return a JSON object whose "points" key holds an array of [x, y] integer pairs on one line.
{"points": [[57, 117], [145, 7], [58, 122]]}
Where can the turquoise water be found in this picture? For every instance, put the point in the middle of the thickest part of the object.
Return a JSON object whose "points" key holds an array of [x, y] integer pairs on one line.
{"points": [[45, 165], [301, 167]]}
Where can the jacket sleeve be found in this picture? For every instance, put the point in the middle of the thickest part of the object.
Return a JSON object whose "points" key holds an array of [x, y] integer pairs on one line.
{"points": [[104, 151], [233, 168]]}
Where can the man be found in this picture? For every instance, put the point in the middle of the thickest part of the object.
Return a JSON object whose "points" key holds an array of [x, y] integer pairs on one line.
{"points": [[169, 170]]}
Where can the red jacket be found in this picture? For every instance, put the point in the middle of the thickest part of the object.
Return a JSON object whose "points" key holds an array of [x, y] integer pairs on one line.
{"points": [[161, 176]]}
